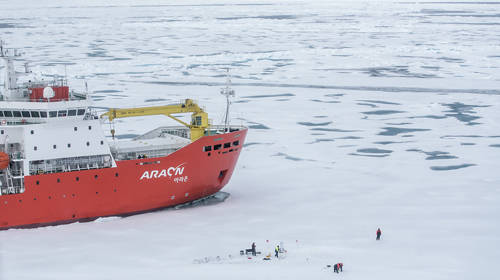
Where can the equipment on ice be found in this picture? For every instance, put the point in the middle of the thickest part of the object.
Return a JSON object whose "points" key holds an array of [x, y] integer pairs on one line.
{"points": [[252, 251]]}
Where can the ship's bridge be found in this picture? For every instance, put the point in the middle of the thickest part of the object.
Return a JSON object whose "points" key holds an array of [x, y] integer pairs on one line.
{"points": [[16, 113]]}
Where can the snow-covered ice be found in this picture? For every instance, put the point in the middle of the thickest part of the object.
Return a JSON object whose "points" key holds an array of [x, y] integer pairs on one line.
{"points": [[362, 115]]}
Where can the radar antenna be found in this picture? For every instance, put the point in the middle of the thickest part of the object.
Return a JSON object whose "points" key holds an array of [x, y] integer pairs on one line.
{"points": [[27, 68], [228, 92]]}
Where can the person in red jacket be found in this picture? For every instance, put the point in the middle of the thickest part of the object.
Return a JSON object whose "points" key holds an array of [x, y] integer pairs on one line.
{"points": [[379, 233], [340, 265]]}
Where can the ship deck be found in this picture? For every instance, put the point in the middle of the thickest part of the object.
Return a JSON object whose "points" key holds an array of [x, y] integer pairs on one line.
{"points": [[161, 145]]}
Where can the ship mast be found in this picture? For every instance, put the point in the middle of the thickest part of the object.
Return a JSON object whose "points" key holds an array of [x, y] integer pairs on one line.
{"points": [[228, 92], [10, 80]]}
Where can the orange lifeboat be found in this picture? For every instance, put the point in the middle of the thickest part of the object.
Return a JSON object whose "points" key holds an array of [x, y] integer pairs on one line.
{"points": [[4, 160]]}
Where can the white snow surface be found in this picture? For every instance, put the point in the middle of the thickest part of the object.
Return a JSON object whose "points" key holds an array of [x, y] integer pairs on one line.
{"points": [[361, 114]]}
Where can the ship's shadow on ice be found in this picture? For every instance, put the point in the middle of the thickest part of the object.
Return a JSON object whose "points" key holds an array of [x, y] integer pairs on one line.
{"points": [[216, 198]]}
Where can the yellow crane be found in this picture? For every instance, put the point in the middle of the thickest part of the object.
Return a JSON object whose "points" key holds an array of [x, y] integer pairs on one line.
{"points": [[199, 118]]}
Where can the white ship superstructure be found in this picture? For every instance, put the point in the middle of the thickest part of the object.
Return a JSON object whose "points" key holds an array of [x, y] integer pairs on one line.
{"points": [[48, 133]]}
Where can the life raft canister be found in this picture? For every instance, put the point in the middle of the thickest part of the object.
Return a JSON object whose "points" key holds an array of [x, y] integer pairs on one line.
{"points": [[4, 160]]}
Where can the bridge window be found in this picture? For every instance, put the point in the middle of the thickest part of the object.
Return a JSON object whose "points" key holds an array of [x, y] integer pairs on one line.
{"points": [[17, 114], [217, 147], [35, 114], [43, 114], [35, 148], [2, 131], [55, 146], [32, 132], [227, 145], [207, 148], [53, 114], [236, 143], [1, 113], [62, 113], [69, 145], [7, 114], [75, 128], [81, 112], [72, 113], [26, 114]]}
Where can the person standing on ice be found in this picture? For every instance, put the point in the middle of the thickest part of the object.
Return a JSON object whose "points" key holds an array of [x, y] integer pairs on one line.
{"points": [[379, 233], [254, 253], [336, 268], [276, 251]]}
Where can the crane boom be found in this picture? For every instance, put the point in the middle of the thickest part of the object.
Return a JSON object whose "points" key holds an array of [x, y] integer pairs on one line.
{"points": [[199, 118]]}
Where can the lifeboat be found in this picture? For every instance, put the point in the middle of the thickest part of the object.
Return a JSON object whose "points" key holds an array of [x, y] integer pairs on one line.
{"points": [[4, 160]]}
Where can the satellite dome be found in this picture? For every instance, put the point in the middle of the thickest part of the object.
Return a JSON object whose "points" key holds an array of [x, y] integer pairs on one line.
{"points": [[48, 92]]}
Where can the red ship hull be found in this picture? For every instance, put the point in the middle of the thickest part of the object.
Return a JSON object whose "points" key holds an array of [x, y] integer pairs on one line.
{"points": [[133, 186]]}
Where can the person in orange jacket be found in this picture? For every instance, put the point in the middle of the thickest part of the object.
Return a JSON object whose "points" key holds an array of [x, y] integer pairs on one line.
{"points": [[379, 233]]}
